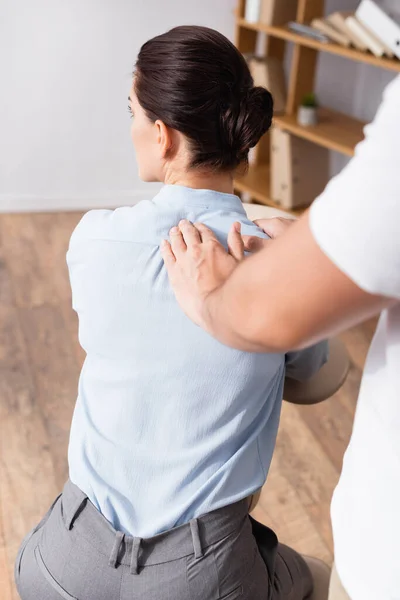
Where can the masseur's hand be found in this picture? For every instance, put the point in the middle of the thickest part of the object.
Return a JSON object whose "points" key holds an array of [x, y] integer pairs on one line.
{"points": [[273, 227], [198, 264]]}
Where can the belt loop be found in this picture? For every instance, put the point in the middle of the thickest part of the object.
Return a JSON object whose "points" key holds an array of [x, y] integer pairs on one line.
{"points": [[135, 555], [194, 528], [69, 519], [115, 551]]}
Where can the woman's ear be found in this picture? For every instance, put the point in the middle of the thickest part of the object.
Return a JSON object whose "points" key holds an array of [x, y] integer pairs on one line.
{"points": [[164, 137]]}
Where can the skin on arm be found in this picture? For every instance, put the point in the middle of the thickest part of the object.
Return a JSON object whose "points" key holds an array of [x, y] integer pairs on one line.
{"points": [[289, 295]]}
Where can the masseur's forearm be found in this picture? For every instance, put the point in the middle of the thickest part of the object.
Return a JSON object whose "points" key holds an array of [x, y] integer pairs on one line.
{"points": [[288, 296]]}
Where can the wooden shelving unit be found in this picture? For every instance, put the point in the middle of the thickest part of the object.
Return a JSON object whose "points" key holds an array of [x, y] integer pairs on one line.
{"points": [[335, 131], [255, 182], [284, 33]]}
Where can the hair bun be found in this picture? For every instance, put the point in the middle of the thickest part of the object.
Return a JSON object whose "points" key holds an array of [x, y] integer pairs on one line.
{"points": [[256, 117], [259, 106], [246, 122]]}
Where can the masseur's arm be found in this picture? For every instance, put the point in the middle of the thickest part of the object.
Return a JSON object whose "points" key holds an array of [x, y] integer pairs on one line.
{"points": [[326, 273], [287, 296]]}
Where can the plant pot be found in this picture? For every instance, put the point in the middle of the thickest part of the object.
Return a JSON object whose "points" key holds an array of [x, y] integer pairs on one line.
{"points": [[307, 116]]}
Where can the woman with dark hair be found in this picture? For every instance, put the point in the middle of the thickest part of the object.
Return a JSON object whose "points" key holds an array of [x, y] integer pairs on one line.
{"points": [[172, 432]]}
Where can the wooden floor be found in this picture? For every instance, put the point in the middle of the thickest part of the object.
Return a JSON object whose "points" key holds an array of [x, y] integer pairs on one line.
{"points": [[40, 361]]}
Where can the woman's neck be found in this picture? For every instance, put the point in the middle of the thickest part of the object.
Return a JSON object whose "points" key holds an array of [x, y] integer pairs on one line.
{"points": [[218, 182]]}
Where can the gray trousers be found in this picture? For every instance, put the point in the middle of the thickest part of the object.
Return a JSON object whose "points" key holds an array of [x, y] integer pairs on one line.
{"points": [[74, 553]]}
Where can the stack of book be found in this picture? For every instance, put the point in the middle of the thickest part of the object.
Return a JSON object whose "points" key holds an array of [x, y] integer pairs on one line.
{"points": [[369, 28]]}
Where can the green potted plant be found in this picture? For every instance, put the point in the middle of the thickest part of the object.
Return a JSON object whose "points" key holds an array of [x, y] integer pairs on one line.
{"points": [[308, 111]]}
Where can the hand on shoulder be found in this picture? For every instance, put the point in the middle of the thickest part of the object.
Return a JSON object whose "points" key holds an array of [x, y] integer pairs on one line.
{"points": [[273, 227]]}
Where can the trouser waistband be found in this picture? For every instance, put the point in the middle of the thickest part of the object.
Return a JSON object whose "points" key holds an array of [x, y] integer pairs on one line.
{"points": [[192, 538]]}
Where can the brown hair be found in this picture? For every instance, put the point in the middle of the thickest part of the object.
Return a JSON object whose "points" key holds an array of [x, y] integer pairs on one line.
{"points": [[197, 82]]}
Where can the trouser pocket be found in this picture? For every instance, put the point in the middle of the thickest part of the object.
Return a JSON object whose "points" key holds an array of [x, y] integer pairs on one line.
{"points": [[267, 544], [26, 539], [49, 577]]}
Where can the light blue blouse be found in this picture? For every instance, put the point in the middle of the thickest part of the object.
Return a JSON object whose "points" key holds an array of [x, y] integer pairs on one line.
{"points": [[169, 424]]}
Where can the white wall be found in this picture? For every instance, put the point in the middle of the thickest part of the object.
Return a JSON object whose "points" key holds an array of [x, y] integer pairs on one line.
{"points": [[65, 75]]}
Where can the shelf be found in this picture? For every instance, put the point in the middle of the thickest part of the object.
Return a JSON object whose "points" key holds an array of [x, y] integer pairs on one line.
{"points": [[284, 33], [256, 183], [334, 130]]}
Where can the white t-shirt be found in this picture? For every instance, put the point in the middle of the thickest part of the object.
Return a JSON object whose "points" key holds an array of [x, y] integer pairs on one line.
{"points": [[356, 222]]}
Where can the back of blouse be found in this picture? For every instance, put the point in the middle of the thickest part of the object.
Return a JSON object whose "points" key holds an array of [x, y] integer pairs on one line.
{"points": [[169, 424]]}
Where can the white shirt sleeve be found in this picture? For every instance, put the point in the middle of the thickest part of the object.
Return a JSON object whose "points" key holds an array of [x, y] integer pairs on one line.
{"points": [[356, 220]]}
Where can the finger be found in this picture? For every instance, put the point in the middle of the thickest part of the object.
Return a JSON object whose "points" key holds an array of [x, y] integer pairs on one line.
{"points": [[261, 223], [235, 242], [275, 226], [177, 242], [190, 234], [167, 254], [252, 243], [273, 220], [205, 233]]}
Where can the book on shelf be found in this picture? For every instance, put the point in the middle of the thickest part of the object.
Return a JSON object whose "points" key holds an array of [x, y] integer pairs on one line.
{"points": [[278, 12], [325, 27], [252, 11], [372, 42], [268, 72], [299, 169], [338, 20], [386, 27], [307, 31]]}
